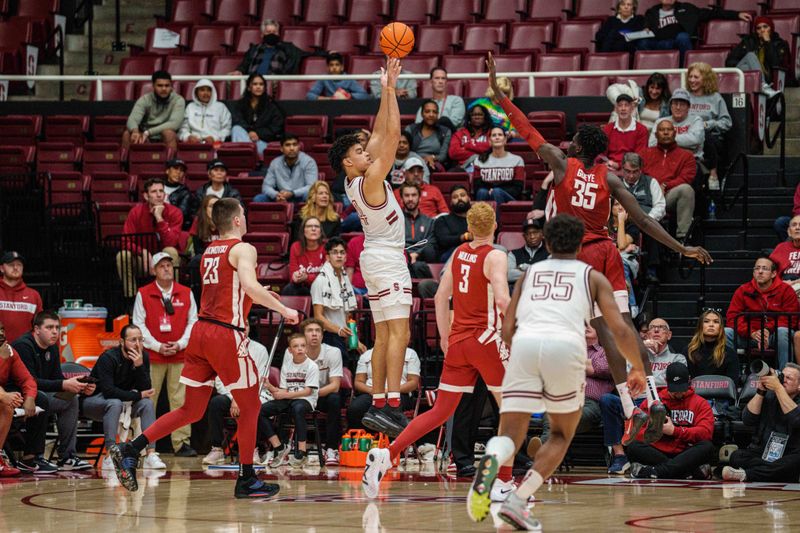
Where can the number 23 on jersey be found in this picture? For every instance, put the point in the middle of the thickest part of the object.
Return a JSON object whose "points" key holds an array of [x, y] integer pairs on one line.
{"points": [[210, 270]]}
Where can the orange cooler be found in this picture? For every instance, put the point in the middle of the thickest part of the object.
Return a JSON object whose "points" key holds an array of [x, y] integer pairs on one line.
{"points": [[81, 329]]}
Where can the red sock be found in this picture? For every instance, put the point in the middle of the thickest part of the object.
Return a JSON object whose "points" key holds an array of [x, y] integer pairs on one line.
{"points": [[394, 402], [378, 401], [505, 474]]}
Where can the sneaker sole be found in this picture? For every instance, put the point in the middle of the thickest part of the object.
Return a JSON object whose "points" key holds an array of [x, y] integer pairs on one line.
{"points": [[513, 521], [479, 497], [638, 424], [655, 430], [365, 484], [126, 481], [382, 425]]}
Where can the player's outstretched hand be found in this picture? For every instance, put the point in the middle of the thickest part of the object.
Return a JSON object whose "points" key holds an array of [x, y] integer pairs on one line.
{"points": [[491, 67], [699, 253], [636, 382], [390, 74], [291, 316]]}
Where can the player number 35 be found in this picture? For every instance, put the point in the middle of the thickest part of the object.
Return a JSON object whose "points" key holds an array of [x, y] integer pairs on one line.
{"points": [[585, 195]]}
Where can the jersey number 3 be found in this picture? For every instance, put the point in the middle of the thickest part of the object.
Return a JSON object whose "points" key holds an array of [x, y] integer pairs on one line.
{"points": [[463, 284], [210, 270], [585, 195], [549, 285]]}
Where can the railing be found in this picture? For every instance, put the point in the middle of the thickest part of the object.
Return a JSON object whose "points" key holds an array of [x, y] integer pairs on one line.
{"points": [[84, 12], [743, 191], [58, 32], [530, 76], [765, 318], [777, 104], [117, 45]]}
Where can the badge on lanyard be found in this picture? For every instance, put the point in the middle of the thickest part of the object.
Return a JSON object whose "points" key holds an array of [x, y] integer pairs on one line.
{"points": [[775, 447], [164, 324]]}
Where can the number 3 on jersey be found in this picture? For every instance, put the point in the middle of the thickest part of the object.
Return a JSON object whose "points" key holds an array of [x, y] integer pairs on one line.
{"points": [[463, 284], [585, 195], [210, 270]]}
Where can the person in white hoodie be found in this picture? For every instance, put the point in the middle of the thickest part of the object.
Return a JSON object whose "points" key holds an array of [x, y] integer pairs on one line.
{"points": [[206, 120]]}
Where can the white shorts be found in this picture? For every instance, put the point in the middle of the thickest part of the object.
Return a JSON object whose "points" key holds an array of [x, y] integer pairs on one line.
{"points": [[388, 283], [544, 374]]}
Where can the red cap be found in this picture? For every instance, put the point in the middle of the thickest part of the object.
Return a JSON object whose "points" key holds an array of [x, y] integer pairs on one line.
{"points": [[764, 20]]}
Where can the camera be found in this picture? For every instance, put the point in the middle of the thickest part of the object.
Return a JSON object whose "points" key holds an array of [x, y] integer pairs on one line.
{"points": [[760, 368]]}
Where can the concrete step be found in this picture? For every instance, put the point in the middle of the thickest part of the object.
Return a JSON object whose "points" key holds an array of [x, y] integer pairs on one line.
{"points": [[792, 147]]}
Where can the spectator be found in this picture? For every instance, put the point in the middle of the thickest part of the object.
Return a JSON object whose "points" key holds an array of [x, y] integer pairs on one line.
{"points": [[18, 302], [611, 36], [397, 176], [429, 139], [626, 238], [762, 294], [661, 356], [646, 189], [406, 89], [654, 101], [202, 233], [674, 168], [222, 405], [624, 134], [297, 393], [290, 175], [218, 184], [451, 230], [152, 215], [498, 175], [469, 142], [409, 382], [156, 116], [38, 350], [420, 247], [689, 131], [206, 120], [774, 451], [685, 448], [332, 296], [124, 390], [707, 103], [8, 402], [329, 363], [255, 117], [451, 106], [675, 23], [271, 55], [19, 390], [165, 312], [781, 225], [336, 89], [177, 193], [431, 201], [764, 50], [708, 353], [533, 251], [306, 257], [352, 264], [320, 205], [787, 255], [492, 104]]}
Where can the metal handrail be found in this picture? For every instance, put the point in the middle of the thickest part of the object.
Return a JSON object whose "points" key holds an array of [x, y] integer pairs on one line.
{"points": [[530, 76], [88, 6], [59, 51], [777, 102]]}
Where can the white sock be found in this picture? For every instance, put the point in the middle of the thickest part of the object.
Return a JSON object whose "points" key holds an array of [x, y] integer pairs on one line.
{"points": [[652, 392], [533, 480], [502, 448], [625, 398]]}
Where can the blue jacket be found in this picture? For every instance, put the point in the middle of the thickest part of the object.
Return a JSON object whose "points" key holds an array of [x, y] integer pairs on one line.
{"points": [[328, 87]]}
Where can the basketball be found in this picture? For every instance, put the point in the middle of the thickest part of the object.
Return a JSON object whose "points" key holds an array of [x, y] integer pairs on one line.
{"points": [[396, 39]]}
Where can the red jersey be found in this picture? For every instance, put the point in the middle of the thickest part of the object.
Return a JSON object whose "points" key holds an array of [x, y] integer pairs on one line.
{"points": [[584, 194], [223, 298], [475, 313]]}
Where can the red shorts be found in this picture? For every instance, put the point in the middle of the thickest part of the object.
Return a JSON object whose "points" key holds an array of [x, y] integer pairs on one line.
{"points": [[467, 359], [603, 256], [215, 350]]}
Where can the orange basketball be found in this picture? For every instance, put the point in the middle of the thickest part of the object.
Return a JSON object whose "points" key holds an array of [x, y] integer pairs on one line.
{"points": [[396, 39]]}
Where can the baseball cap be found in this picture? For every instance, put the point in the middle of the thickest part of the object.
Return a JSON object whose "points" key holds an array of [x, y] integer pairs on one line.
{"points": [[11, 256], [677, 377], [217, 163], [175, 162], [624, 97], [537, 223], [412, 162], [681, 94], [157, 258]]}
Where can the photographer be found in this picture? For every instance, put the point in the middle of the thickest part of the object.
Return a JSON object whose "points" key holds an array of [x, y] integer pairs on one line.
{"points": [[123, 384], [774, 452]]}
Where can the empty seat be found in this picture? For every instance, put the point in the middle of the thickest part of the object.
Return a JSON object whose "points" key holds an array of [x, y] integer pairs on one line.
{"points": [[269, 216], [142, 65], [245, 36], [512, 214], [608, 61], [224, 65], [108, 128], [110, 187], [323, 12], [437, 39], [150, 40], [347, 39], [713, 56], [112, 91], [353, 122], [420, 64], [71, 128], [284, 12], [248, 186], [541, 86], [420, 11], [367, 11], [514, 63], [585, 86], [186, 65], [551, 124], [14, 33], [58, 156], [150, 157], [111, 217], [530, 36], [305, 37], [311, 129], [577, 35], [314, 65], [269, 246], [503, 10], [455, 11], [234, 12], [102, 156], [20, 129], [482, 37], [211, 40], [196, 156], [369, 64], [656, 59], [783, 6], [446, 180], [594, 9], [17, 159], [292, 90], [596, 118], [549, 9], [751, 6], [558, 62], [721, 33], [464, 63], [239, 157], [729, 82], [190, 12], [65, 187]]}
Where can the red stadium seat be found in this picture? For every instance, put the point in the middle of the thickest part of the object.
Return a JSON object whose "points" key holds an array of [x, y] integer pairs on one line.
{"points": [[549, 9], [141, 65], [446, 180], [512, 214], [782, 6], [421, 64], [786, 25], [110, 187], [210, 40], [224, 64], [608, 61], [503, 10], [420, 11], [65, 187], [458, 11], [107, 128], [190, 12], [437, 39], [482, 37], [102, 156], [551, 124], [722, 33], [594, 9], [347, 39], [20, 129], [323, 12], [70, 128], [477, 88], [150, 157], [751, 6], [577, 35], [656, 59], [464, 63], [729, 83], [455, 87], [353, 122], [596, 118], [196, 156], [511, 240], [585, 86], [17, 159], [530, 36], [14, 34], [714, 57], [58, 156], [367, 11], [269, 246], [245, 36], [292, 90], [284, 12], [269, 216], [149, 42], [236, 12], [542, 86], [239, 157], [525, 152], [311, 129], [304, 37], [113, 91], [558, 62], [186, 65], [111, 217], [248, 186], [193, 180], [314, 65], [514, 63], [368, 64]]}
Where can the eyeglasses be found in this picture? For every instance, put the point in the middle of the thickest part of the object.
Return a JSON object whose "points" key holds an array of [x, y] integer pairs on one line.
{"points": [[659, 328]]}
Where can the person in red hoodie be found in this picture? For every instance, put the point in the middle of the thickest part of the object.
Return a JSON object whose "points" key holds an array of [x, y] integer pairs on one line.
{"points": [[787, 255], [469, 142], [153, 215], [18, 302], [674, 168], [685, 449], [762, 294]]}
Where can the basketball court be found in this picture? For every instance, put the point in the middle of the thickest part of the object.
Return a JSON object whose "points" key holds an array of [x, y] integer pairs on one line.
{"points": [[188, 498]]}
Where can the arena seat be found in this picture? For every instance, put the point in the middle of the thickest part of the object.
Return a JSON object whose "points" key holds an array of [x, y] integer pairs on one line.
{"points": [[149, 41], [441, 39], [270, 246], [367, 11], [722, 33], [114, 187], [446, 180], [530, 36], [304, 37], [20, 129], [656, 59], [576, 35], [190, 12], [210, 40], [141, 65], [269, 217], [323, 12], [608, 61], [542, 86], [751, 6], [593, 9], [239, 157], [292, 90], [585, 86], [596, 118], [464, 63], [17, 159], [14, 33], [554, 10], [65, 187], [558, 62], [58, 156], [236, 12], [477, 88], [368, 64], [421, 64], [551, 124], [102, 157], [713, 56], [247, 185], [523, 150], [70, 128], [245, 36], [150, 157], [186, 65], [196, 156], [419, 11], [458, 11], [347, 39], [511, 240], [113, 90], [311, 129], [111, 217], [284, 12], [314, 65], [514, 63], [782, 6], [108, 128], [512, 214], [353, 122], [501, 11], [481, 37]]}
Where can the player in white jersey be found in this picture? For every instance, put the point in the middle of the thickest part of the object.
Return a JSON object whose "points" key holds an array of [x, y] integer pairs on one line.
{"points": [[383, 262], [545, 324]]}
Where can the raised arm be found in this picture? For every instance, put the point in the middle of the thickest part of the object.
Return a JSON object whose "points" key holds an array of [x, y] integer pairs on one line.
{"points": [[382, 145], [552, 155], [649, 225]]}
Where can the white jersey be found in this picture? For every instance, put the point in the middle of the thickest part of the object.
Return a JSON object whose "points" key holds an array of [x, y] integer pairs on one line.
{"points": [[556, 300], [383, 225]]}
